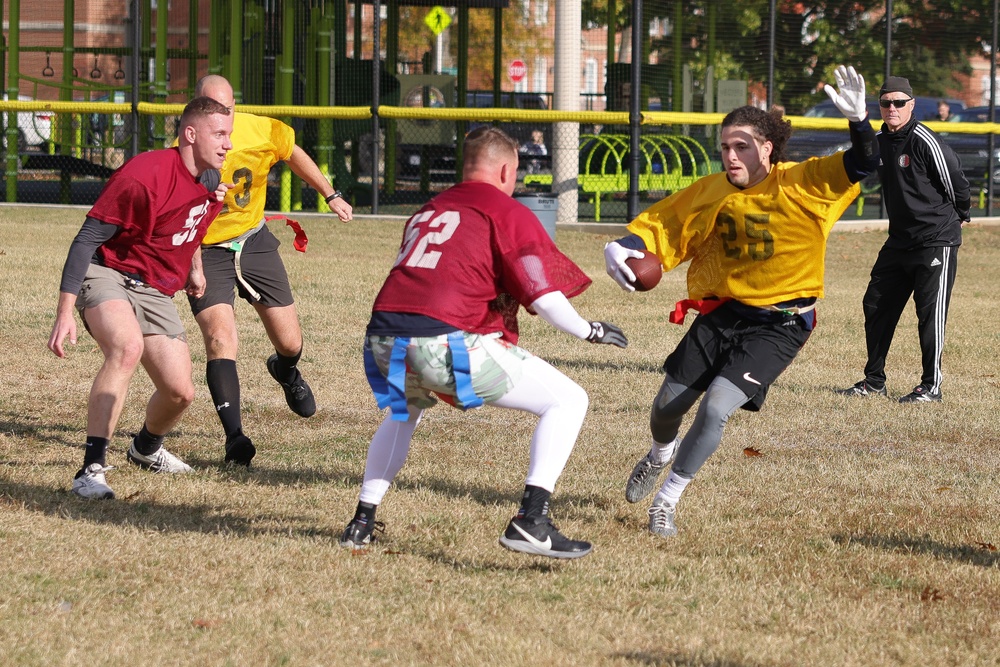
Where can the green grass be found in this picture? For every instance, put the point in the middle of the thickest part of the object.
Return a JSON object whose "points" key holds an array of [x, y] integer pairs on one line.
{"points": [[862, 536]]}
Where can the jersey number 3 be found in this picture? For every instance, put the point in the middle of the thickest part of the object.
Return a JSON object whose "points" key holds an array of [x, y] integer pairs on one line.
{"points": [[419, 239]]}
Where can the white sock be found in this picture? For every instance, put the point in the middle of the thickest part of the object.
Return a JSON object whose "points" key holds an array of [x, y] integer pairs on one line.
{"points": [[670, 492], [662, 453]]}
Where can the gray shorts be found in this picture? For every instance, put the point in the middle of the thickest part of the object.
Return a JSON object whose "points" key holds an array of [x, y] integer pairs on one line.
{"points": [[261, 269], [154, 310]]}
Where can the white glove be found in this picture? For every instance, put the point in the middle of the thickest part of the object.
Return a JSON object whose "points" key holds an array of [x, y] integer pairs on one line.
{"points": [[615, 255], [850, 99]]}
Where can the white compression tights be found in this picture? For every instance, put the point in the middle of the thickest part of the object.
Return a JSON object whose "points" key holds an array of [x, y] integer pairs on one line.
{"points": [[559, 403]]}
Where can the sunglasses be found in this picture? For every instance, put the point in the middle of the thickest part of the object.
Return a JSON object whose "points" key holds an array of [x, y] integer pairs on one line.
{"points": [[899, 104]]}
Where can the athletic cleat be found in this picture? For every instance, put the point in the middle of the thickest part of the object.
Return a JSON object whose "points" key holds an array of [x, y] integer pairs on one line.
{"points": [[90, 482], [542, 538], [645, 475], [360, 534], [159, 461], [921, 394], [298, 395], [862, 389], [661, 520], [239, 449]]}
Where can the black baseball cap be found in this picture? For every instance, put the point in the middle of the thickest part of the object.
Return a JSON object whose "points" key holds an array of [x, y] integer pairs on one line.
{"points": [[896, 84]]}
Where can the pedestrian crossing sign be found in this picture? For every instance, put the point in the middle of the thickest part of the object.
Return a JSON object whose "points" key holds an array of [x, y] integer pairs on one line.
{"points": [[437, 20]]}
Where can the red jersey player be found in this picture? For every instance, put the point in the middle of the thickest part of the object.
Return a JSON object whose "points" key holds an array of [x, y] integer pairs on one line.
{"points": [[445, 325], [138, 247]]}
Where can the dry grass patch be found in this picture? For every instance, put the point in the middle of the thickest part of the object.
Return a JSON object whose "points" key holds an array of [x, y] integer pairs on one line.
{"points": [[863, 533]]}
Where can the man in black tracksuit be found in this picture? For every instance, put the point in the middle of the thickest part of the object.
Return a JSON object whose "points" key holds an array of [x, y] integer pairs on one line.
{"points": [[927, 199]]}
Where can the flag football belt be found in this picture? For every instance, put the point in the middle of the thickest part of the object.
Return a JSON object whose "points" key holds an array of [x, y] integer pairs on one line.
{"points": [[390, 391], [235, 246], [793, 310], [706, 306]]}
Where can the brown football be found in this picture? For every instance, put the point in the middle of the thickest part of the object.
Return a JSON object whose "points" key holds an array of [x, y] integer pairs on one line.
{"points": [[647, 270]]}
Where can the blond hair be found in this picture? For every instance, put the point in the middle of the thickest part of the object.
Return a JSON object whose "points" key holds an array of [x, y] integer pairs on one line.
{"points": [[489, 143]]}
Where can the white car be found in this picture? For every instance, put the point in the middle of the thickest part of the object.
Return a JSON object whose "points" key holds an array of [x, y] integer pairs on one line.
{"points": [[34, 128]]}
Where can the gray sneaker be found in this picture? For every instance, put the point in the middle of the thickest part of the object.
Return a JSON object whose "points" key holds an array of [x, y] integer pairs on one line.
{"points": [[645, 476], [159, 461], [90, 483], [661, 520], [862, 389]]}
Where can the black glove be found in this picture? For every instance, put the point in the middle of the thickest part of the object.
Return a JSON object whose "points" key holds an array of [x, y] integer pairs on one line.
{"points": [[606, 334]]}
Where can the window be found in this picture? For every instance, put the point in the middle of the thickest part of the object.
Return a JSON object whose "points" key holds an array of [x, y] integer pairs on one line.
{"points": [[540, 78], [986, 89], [542, 12], [590, 76]]}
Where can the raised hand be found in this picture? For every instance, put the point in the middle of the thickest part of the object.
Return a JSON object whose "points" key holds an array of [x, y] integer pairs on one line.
{"points": [[849, 96]]}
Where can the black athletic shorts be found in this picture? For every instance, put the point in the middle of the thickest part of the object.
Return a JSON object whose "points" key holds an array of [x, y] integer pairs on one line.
{"points": [[260, 265], [749, 352]]}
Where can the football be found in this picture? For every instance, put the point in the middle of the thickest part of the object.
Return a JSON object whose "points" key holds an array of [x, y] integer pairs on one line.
{"points": [[647, 270]]}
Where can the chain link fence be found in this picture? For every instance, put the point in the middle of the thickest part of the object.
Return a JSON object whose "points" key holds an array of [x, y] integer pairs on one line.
{"points": [[111, 65]]}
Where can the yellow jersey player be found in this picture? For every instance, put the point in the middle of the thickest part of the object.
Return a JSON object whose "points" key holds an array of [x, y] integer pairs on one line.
{"points": [[240, 253], [756, 238]]}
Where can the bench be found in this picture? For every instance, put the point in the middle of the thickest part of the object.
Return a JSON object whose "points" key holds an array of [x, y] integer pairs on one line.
{"points": [[669, 163]]}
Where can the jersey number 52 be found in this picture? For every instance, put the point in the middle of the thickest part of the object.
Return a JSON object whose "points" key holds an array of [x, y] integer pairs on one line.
{"points": [[419, 239]]}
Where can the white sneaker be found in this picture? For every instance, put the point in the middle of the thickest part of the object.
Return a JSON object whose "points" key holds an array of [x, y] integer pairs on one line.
{"points": [[159, 461], [661, 520], [90, 483]]}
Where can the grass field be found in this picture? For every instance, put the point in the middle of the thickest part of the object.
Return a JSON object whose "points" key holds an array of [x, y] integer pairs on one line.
{"points": [[863, 533]]}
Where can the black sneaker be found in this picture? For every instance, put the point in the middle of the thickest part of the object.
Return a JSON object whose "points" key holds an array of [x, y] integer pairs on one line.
{"points": [[540, 537], [360, 534], [922, 394], [862, 389], [298, 395], [239, 449]]}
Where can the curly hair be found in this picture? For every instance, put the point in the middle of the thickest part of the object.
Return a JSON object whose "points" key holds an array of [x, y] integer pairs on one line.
{"points": [[767, 125]]}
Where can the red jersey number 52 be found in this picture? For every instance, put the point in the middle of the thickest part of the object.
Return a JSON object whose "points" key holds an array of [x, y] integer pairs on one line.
{"points": [[419, 239]]}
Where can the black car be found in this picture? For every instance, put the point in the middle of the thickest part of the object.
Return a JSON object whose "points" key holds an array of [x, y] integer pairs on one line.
{"points": [[440, 158], [805, 144], [973, 149]]}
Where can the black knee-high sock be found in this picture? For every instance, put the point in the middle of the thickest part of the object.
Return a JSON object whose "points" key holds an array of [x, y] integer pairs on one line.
{"points": [[285, 367], [534, 503], [95, 451], [148, 443], [224, 385]]}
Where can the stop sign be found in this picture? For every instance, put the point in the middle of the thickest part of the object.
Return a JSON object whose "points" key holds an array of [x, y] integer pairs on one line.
{"points": [[517, 70]]}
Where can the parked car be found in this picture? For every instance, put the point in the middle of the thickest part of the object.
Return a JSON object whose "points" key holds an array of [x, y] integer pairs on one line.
{"points": [[970, 148], [973, 149], [805, 144], [441, 157], [34, 128]]}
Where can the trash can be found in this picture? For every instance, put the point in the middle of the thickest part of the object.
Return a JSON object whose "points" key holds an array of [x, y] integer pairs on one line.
{"points": [[543, 205]]}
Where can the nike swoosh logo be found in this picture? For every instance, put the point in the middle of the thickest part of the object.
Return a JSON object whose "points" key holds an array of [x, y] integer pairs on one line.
{"points": [[746, 376], [546, 545]]}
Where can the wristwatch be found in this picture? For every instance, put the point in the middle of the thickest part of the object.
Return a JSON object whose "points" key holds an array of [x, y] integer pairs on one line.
{"points": [[337, 194]]}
